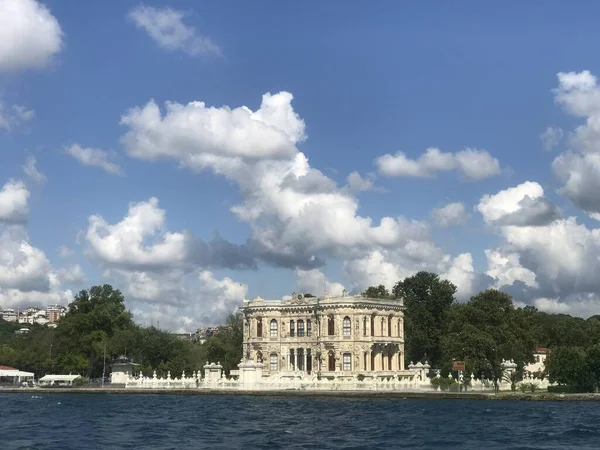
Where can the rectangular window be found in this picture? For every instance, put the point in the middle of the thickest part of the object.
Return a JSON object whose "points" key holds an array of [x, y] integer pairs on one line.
{"points": [[273, 328], [308, 328], [301, 328], [273, 362], [347, 362], [292, 328]]}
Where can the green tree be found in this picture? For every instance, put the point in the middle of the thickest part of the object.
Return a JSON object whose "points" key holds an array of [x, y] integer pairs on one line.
{"points": [[427, 299], [377, 292], [569, 366]]}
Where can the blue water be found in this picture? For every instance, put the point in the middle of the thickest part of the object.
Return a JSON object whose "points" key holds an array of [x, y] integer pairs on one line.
{"points": [[72, 421]]}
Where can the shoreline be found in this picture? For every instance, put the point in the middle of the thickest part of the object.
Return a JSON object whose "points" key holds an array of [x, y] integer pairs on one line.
{"points": [[541, 396]]}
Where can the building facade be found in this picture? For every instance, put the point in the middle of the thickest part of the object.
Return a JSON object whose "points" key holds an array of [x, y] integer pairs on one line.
{"points": [[329, 336]]}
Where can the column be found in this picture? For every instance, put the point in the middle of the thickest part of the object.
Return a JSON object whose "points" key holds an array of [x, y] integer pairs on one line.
{"points": [[304, 355]]}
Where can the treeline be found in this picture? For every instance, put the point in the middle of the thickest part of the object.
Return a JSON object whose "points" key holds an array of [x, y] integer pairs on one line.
{"points": [[97, 323], [489, 328]]}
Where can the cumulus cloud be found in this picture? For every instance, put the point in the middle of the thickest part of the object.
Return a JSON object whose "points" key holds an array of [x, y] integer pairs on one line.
{"points": [[32, 171], [540, 258], [451, 214], [578, 169], [30, 36], [314, 282], [141, 242], [165, 26], [177, 302], [472, 164], [523, 205], [357, 183], [296, 214], [94, 157], [64, 251], [14, 196]]}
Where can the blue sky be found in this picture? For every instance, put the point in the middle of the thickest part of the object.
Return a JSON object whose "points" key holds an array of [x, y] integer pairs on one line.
{"points": [[367, 80]]}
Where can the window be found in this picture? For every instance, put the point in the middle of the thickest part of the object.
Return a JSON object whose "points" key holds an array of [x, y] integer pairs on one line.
{"points": [[331, 362], [273, 362], [292, 363], [308, 359], [347, 360], [273, 328], [399, 327], [364, 326], [308, 328], [390, 362], [300, 357], [372, 360], [347, 326], [372, 325], [365, 361], [301, 328], [259, 357], [259, 327], [330, 326], [292, 328], [390, 326]]}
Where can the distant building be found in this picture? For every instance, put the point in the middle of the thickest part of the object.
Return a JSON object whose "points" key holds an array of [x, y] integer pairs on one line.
{"points": [[539, 364], [9, 315], [121, 369], [22, 331], [55, 312]]}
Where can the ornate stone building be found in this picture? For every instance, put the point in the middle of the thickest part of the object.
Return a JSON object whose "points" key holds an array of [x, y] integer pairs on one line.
{"points": [[329, 336]]}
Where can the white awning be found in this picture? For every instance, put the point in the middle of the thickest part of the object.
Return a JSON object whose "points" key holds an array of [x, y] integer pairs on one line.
{"points": [[15, 373], [59, 378]]}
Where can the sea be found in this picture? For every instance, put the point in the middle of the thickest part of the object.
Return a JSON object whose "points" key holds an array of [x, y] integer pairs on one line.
{"points": [[123, 421]]}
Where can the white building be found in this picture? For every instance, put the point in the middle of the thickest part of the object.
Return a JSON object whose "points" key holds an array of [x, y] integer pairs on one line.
{"points": [[341, 336], [539, 364]]}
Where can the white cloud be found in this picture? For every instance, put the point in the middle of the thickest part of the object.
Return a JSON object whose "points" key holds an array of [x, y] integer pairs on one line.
{"points": [[15, 116], [551, 137], [451, 214], [126, 244], [14, 196], [506, 268], [314, 282], [204, 136], [296, 214], [178, 302], [70, 275], [32, 172], [473, 164], [165, 26], [579, 168], [521, 205], [356, 183], [94, 157], [30, 36]]}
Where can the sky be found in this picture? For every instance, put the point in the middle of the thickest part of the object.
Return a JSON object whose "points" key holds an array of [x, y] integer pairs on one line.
{"points": [[193, 154]]}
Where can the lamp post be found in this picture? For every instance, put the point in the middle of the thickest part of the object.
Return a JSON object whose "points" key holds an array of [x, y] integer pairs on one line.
{"points": [[104, 365]]}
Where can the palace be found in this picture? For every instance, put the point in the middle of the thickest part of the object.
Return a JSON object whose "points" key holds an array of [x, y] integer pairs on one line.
{"points": [[333, 337]]}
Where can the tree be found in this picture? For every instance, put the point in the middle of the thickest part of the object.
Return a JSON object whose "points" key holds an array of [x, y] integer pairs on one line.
{"points": [[377, 292], [427, 299], [569, 366]]}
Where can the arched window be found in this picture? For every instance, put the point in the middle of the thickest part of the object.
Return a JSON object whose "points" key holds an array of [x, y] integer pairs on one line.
{"points": [[301, 328], [364, 326], [347, 326], [331, 361], [308, 327], [259, 327], [292, 328], [399, 327], [347, 362], [273, 362], [330, 326], [390, 326], [273, 328], [373, 325]]}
